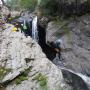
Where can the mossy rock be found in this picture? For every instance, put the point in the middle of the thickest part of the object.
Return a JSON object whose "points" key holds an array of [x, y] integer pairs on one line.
{"points": [[23, 76], [3, 72], [43, 83], [42, 80], [20, 79]]}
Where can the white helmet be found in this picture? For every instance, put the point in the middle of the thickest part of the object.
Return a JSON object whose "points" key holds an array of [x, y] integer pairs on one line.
{"points": [[58, 41]]}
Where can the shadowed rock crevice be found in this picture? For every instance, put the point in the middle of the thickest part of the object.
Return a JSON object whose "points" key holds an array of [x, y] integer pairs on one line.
{"points": [[42, 42]]}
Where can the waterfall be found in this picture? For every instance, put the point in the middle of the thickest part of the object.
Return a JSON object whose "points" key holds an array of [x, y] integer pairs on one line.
{"points": [[34, 29], [84, 78], [79, 76], [39, 2]]}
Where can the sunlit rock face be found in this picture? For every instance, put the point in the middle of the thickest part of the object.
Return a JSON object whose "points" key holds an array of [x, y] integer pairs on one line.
{"points": [[19, 53], [4, 10]]}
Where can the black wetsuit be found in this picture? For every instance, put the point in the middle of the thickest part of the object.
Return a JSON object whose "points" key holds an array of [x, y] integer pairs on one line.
{"points": [[56, 45]]}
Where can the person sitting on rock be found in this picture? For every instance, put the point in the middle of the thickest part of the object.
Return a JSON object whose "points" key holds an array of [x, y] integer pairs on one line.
{"points": [[24, 28]]}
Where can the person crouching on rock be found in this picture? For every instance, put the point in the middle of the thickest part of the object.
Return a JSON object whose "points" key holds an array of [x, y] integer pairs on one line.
{"points": [[24, 28], [16, 26], [57, 46]]}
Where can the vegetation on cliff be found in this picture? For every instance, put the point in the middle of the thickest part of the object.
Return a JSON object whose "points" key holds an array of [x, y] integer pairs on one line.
{"points": [[53, 7]]}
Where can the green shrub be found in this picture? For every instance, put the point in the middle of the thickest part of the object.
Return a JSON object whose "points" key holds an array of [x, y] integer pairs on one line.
{"points": [[23, 76], [28, 4], [20, 79], [48, 7], [3, 72], [42, 80]]}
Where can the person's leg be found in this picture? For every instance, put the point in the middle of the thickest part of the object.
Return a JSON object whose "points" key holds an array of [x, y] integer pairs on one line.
{"points": [[59, 55], [21, 29]]}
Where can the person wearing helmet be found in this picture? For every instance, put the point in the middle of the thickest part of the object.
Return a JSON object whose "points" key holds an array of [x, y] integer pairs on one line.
{"points": [[58, 48]]}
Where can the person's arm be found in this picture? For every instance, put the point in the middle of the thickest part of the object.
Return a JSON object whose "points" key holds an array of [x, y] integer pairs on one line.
{"points": [[56, 50]]}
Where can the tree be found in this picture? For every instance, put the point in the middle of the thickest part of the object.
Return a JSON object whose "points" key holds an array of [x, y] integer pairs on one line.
{"points": [[13, 4], [28, 4], [49, 7]]}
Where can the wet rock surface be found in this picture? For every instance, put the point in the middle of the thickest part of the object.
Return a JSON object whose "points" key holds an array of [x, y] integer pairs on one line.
{"points": [[76, 50], [73, 79], [18, 53], [76, 43]]}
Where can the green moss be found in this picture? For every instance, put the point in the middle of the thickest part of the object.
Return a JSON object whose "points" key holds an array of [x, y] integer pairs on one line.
{"points": [[23, 76], [63, 30], [58, 21], [68, 33], [42, 80], [66, 29], [61, 23], [26, 71], [20, 79], [3, 72]]}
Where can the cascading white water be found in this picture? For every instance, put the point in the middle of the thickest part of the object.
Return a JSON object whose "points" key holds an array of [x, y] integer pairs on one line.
{"points": [[35, 29], [38, 2], [60, 65]]}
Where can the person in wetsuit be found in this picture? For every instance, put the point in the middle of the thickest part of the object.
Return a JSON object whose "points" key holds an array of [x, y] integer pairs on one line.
{"points": [[57, 47]]}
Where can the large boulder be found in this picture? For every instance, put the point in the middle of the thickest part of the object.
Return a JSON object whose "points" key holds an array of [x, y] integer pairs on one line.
{"points": [[75, 36], [18, 54]]}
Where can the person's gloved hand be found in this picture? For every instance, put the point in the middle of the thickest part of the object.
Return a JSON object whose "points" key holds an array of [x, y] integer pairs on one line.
{"points": [[57, 50]]}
